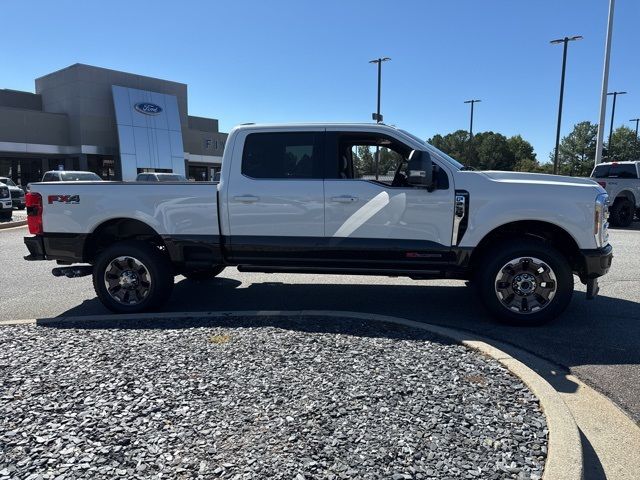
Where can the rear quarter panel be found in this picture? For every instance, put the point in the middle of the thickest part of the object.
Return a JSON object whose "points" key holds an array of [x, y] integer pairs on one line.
{"points": [[169, 208]]}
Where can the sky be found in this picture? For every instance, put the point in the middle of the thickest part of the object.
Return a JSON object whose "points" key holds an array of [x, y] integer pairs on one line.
{"points": [[298, 60]]}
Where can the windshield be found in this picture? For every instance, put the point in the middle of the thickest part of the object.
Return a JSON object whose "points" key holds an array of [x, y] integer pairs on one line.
{"points": [[78, 176], [171, 178], [434, 151], [7, 181]]}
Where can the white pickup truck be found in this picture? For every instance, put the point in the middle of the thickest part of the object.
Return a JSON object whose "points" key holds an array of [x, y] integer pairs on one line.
{"points": [[621, 180], [312, 199]]}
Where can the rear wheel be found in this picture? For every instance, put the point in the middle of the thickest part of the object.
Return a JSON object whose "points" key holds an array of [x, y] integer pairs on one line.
{"points": [[524, 282], [621, 214], [131, 277], [204, 275]]}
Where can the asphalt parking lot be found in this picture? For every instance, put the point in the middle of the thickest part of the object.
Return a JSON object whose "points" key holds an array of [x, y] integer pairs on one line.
{"points": [[598, 341]]}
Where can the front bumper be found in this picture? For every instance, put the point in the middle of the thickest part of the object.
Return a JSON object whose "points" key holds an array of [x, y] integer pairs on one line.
{"points": [[596, 262], [6, 204]]}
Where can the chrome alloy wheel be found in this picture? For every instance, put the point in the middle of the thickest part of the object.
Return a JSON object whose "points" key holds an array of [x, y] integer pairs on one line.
{"points": [[127, 280], [525, 285]]}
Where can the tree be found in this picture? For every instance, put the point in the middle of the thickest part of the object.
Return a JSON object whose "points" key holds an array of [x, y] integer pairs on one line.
{"points": [[487, 150], [624, 145], [493, 153], [521, 149], [455, 144], [577, 151]]}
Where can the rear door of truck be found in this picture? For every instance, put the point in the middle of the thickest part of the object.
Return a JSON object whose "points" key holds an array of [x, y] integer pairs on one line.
{"points": [[275, 195]]}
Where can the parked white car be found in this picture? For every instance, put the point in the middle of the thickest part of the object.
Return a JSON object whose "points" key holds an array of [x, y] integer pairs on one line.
{"points": [[621, 180], [160, 177], [293, 198], [6, 204]]}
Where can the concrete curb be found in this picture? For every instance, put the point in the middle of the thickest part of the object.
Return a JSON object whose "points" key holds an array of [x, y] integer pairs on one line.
{"points": [[4, 226], [564, 455]]}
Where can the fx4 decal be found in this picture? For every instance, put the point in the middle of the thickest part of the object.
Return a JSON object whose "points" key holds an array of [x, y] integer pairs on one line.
{"points": [[66, 199]]}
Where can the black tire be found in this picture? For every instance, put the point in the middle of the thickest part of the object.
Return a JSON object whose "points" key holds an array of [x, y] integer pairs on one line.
{"points": [[21, 207], [204, 275], [621, 214], [6, 216], [156, 272], [497, 281]]}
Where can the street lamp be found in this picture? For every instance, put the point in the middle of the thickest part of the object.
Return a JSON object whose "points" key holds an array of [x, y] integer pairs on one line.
{"points": [[613, 112], [376, 116], [636, 120], [565, 41], [471, 122]]}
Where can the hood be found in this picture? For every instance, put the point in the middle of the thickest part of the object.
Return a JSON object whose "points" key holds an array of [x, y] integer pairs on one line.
{"points": [[539, 179]]}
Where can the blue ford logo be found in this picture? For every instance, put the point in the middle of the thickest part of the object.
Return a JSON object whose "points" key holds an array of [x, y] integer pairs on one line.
{"points": [[148, 108]]}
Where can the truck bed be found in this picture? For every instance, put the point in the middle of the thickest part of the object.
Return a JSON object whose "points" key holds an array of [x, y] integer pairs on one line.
{"points": [[170, 208]]}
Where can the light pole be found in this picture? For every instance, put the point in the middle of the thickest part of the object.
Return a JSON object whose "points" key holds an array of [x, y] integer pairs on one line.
{"points": [[636, 120], [565, 41], [376, 116], [613, 113], [471, 122], [605, 82]]}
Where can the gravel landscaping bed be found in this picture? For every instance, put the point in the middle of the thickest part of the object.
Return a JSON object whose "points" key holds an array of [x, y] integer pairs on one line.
{"points": [[286, 398]]}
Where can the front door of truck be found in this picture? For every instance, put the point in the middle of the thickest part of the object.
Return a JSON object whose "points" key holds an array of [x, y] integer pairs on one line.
{"points": [[373, 216], [275, 196]]}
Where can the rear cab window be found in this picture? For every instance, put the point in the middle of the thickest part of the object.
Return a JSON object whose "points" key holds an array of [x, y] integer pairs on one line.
{"points": [[615, 170], [283, 155]]}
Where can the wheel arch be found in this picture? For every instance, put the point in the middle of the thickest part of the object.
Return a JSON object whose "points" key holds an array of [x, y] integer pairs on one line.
{"points": [[626, 194], [116, 230], [544, 231]]}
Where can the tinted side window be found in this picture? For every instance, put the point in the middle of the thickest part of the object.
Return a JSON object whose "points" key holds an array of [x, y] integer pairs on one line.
{"points": [[601, 171], [48, 177], [283, 155], [626, 170]]}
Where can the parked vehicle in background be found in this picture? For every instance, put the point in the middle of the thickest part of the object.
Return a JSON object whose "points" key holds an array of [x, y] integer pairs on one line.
{"points": [[6, 205], [70, 176], [621, 180], [17, 194], [299, 199], [160, 177]]}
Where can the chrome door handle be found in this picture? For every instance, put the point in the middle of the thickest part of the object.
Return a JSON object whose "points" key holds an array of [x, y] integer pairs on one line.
{"points": [[344, 199], [246, 198]]}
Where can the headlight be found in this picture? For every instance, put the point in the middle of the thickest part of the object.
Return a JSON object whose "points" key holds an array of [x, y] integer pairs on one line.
{"points": [[601, 220]]}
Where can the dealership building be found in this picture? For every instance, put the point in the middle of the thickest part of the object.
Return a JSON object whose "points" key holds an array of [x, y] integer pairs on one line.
{"points": [[115, 124]]}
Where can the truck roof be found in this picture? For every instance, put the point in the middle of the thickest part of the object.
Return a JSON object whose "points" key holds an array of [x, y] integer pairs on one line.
{"points": [[381, 126]]}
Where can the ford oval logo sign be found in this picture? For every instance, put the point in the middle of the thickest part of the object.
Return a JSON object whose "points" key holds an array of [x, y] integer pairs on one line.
{"points": [[148, 108]]}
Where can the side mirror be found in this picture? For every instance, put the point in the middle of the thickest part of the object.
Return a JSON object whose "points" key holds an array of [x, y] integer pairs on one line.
{"points": [[420, 170]]}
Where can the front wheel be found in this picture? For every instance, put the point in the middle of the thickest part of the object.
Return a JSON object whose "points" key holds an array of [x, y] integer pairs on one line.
{"points": [[131, 277], [524, 282], [621, 214]]}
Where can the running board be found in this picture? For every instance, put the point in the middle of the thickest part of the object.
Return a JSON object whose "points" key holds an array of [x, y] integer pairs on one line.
{"points": [[343, 271]]}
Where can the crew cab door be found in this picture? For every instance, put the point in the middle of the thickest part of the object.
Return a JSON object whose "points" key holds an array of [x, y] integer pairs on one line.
{"points": [[275, 195], [373, 216]]}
